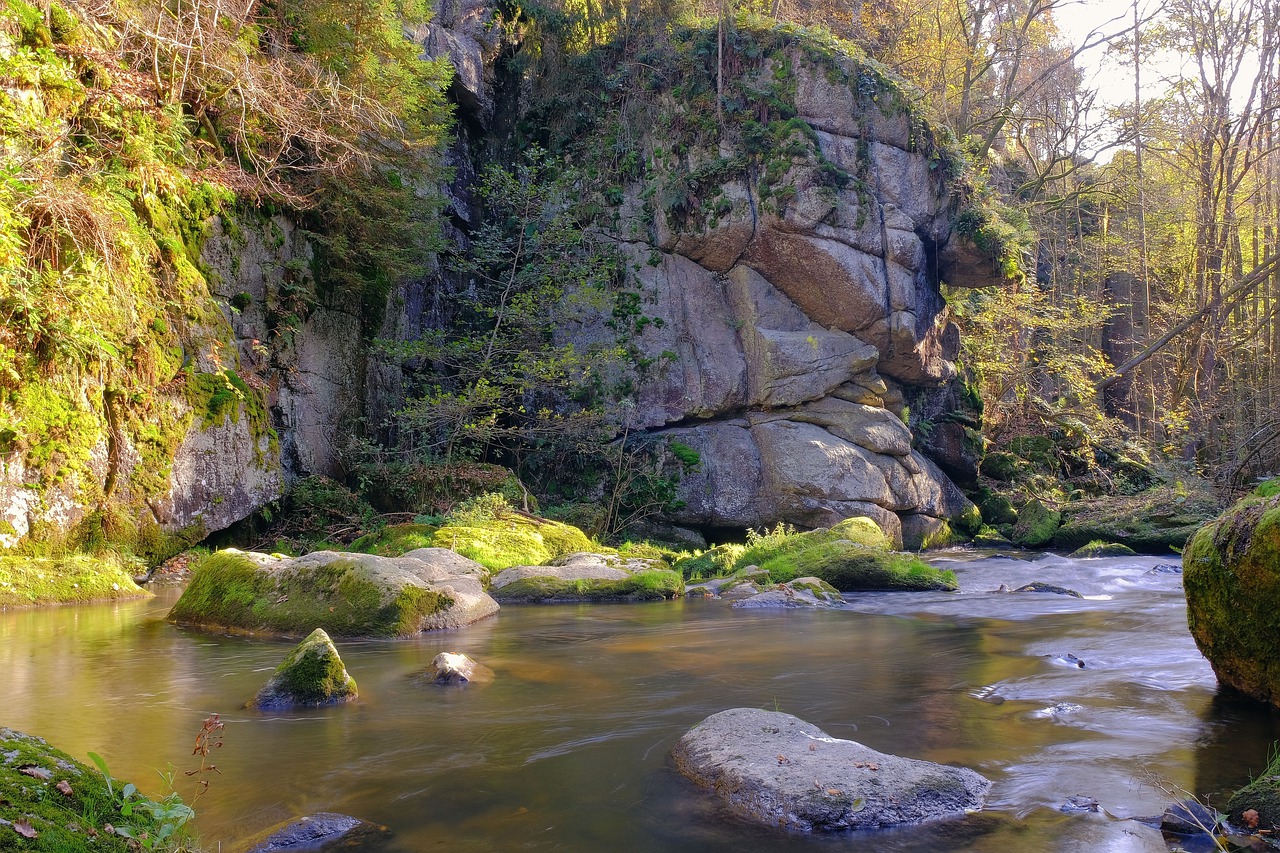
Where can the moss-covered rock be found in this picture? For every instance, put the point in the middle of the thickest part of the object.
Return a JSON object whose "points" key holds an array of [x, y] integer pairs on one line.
{"points": [[349, 595], [770, 547], [588, 577], [999, 465], [1231, 573], [1036, 525], [51, 803], [511, 538], [1099, 548], [64, 580], [850, 567], [1261, 796], [395, 540], [997, 509], [1156, 521], [312, 674]]}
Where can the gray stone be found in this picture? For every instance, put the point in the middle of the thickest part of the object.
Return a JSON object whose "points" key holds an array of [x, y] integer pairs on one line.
{"points": [[321, 831], [453, 668], [779, 771]]}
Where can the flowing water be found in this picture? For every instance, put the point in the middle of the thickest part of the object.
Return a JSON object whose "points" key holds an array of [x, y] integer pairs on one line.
{"points": [[568, 748]]}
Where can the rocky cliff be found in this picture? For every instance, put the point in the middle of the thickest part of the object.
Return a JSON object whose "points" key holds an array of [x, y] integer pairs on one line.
{"points": [[785, 256], [787, 263]]}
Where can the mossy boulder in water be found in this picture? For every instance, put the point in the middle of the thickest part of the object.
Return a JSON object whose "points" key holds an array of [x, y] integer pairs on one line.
{"points": [[1231, 573], [349, 595], [854, 555], [311, 675]]}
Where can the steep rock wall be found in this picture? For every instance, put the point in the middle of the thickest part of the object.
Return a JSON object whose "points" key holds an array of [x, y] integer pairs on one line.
{"points": [[791, 296]]}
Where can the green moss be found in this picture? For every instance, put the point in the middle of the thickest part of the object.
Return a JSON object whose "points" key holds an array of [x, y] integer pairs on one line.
{"points": [[1101, 548], [1270, 488], [228, 590], [850, 567], [1036, 525], [999, 465], [713, 562], [64, 580], [311, 674], [998, 509], [1156, 521], [514, 539], [1231, 574], [62, 822], [652, 585], [395, 540], [860, 530]]}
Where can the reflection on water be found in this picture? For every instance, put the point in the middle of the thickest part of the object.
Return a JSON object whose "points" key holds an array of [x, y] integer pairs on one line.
{"points": [[568, 748]]}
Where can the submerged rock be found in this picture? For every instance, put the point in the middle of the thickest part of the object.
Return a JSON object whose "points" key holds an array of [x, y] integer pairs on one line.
{"points": [[455, 668], [1188, 817], [1231, 573], [311, 675], [349, 595], [588, 577], [777, 770], [322, 831], [802, 592], [1038, 586]]}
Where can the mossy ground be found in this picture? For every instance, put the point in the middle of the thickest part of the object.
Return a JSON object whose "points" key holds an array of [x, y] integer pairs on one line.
{"points": [[63, 823], [514, 539], [227, 590], [1231, 574], [653, 585], [64, 580], [1156, 521], [395, 540]]}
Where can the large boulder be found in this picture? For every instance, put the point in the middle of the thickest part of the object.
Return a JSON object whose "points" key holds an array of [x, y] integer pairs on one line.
{"points": [[1231, 573], [777, 770], [311, 675], [349, 595], [588, 577]]}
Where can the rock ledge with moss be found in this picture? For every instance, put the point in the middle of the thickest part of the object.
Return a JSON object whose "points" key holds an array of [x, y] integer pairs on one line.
{"points": [[588, 577], [349, 595]]}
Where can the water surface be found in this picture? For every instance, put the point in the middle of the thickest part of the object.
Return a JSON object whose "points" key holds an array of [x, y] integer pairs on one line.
{"points": [[568, 749]]}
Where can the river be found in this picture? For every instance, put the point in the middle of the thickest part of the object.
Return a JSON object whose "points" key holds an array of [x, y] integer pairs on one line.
{"points": [[568, 748]]}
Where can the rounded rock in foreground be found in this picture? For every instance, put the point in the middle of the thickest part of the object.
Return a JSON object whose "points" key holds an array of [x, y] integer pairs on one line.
{"points": [[311, 675], [322, 831], [777, 770]]}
